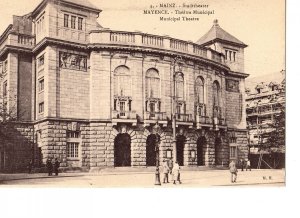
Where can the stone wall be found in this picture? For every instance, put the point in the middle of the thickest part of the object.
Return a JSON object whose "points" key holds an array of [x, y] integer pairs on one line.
{"points": [[233, 108], [49, 139]]}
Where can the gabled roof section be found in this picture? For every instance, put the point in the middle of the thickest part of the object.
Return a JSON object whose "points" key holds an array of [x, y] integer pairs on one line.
{"points": [[216, 33], [84, 3]]}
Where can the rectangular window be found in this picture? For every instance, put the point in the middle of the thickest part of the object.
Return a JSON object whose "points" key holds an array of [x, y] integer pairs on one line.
{"points": [[233, 152], [41, 107], [232, 139], [115, 104], [4, 66], [178, 109], [122, 108], [73, 134], [42, 23], [38, 27], [122, 105], [152, 109], [41, 61], [73, 20], [4, 109], [66, 20], [41, 84], [80, 21], [230, 55], [129, 105], [72, 149], [5, 89]]}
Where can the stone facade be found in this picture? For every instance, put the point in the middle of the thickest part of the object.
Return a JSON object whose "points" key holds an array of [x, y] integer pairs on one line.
{"points": [[97, 98]]}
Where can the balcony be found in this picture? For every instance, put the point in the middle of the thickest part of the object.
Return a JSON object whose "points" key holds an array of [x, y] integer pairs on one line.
{"points": [[184, 119], [219, 122], [119, 116], [144, 41], [203, 121], [154, 117], [15, 40]]}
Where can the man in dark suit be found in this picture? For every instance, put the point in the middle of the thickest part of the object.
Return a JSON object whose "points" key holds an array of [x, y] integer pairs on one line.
{"points": [[56, 166]]}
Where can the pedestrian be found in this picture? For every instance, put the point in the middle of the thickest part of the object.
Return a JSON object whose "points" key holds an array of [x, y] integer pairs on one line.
{"points": [[166, 171], [242, 164], [30, 167], [56, 166], [248, 165], [49, 167], [176, 173], [233, 171]]}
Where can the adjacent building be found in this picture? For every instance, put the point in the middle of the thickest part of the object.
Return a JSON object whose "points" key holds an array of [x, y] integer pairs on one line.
{"points": [[265, 100], [95, 97]]}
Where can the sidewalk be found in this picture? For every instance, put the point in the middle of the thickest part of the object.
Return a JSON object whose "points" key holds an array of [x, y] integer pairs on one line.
{"points": [[100, 171], [146, 178]]}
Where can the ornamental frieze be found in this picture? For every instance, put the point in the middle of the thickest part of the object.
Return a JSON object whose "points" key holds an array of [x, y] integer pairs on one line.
{"points": [[232, 85], [72, 61]]}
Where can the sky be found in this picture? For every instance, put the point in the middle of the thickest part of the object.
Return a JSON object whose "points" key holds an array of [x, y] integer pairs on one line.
{"points": [[258, 23]]}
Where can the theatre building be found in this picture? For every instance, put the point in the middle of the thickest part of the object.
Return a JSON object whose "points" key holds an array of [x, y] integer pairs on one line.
{"points": [[95, 97]]}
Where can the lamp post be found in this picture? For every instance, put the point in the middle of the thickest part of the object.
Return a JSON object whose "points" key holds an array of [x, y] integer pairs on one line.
{"points": [[157, 174], [173, 109]]}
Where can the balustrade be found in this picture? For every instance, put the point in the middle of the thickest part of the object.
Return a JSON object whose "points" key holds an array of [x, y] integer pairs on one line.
{"points": [[122, 37], [155, 116], [119, 114], [153, 40], [184, 117], [107, 36], [179, 45]]}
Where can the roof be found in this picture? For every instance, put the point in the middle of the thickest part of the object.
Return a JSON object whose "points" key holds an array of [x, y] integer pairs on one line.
{"points": [[275, 78], [84, 3], [81, 3], [217, 33]]}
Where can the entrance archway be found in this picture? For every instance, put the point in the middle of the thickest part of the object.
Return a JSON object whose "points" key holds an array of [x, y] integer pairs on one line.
{"points": [[218, 144], [180, 141], [150, 149], [122, 150], [201, 142]]}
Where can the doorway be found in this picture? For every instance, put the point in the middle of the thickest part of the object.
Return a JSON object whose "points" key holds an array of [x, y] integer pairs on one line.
{"points": [[150, 149], [201, 142], [122, 150], [180, 148], [218, 144]]}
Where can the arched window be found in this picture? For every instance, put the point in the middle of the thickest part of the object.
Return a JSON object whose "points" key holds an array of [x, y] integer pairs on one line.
{"points": [[179, 86], [122, 81], [199, 90], [152, 84], [216, 94]]}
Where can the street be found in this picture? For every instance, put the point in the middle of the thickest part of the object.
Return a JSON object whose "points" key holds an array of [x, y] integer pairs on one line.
{"points": [[207, 178]]}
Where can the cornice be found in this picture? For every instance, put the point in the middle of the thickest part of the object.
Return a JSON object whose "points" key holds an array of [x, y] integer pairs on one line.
{"points": [[81, 6], [39, 8], [144, 49], [8, 48], [5, 33], [52, 41], [238, 74], [226, 42]]}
